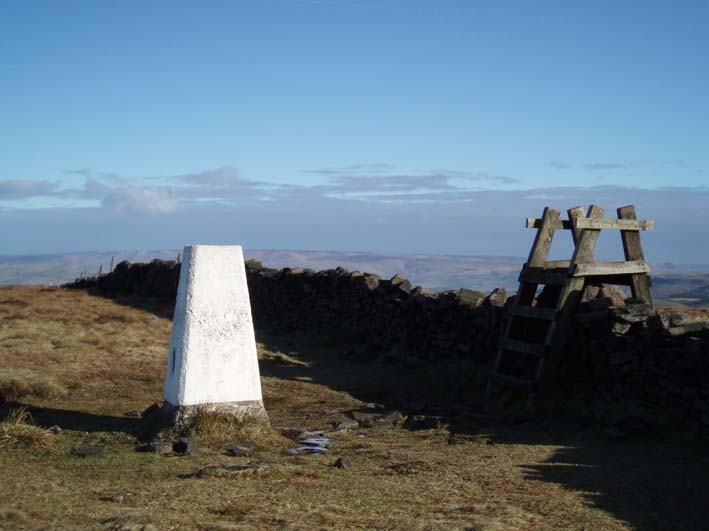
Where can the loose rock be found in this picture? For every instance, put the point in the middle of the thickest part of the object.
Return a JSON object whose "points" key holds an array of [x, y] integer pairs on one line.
{"points": [[345, 424], [185, 446], [368, 419], [87, 451], [240, 449], [291, 431], [159, 447], [422, 422], [341, 463]]}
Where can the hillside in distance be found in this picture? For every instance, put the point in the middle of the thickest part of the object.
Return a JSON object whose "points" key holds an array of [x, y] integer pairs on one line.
{"points": [[680, 284], [431, 271]]}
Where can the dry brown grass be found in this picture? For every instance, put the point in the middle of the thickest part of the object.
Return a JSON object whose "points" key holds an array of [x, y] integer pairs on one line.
{"points": [[108, 356], [215, 429], [16, 384], [11, 518], [111, 359], [130, 521], [17, 431]]}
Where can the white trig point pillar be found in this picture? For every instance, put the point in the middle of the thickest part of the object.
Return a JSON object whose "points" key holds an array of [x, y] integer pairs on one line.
{"points": [[212, 362]]}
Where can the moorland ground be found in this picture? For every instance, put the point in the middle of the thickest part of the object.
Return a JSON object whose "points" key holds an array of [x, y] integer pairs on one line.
{"points": [[85, 364]]}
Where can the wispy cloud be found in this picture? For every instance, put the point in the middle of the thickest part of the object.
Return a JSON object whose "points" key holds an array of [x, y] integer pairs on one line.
{"points": [[88, 173], [398, 215], [153, 200], [490, 178], [108, 189], [559, 165], [221, 177], [223, 186], [384, 182], [605, 166], [373, 167], [388, 183], [24, 188]]}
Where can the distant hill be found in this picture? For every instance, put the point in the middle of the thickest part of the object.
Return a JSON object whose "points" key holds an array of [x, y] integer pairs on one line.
{"points": [[687, 290], [678, 284], [55, 269], [436, 272]]}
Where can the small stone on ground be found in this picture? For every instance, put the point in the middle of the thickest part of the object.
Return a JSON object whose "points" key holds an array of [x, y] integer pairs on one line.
{"points": [[341, 463], [240, 449], [291, 431], [185, 445], [87, 451]]}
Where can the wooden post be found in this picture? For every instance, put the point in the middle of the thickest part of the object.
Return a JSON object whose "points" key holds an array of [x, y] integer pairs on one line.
{"points": [[539, 253], [633, 249], [574, 214], [110, 269]]}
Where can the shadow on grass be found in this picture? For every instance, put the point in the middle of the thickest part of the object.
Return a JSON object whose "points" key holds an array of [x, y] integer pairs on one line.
{"points": [[649, 484], [47, 417], [450, 388], [155, 305], [650, 481]]}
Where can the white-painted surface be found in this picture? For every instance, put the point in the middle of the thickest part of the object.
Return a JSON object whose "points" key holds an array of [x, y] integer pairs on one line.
{"points": [[212, 357]]}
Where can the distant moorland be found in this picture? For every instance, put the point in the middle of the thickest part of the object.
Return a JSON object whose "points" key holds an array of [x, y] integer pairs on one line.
{"points": [[677, 284]]}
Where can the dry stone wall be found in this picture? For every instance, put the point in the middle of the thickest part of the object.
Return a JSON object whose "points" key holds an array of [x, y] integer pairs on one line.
{"points": [[619, 348], [382, 313], [651, 367]]}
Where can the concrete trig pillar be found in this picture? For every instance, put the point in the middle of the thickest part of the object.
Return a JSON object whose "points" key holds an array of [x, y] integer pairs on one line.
{"points": [[212, 362]]}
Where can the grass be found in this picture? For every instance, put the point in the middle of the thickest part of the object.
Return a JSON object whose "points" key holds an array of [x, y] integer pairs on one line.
{"points": [[215, 429], [17, 431], [17, 384], [110, 358]]}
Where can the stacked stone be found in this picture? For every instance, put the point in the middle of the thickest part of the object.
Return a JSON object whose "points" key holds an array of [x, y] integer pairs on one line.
{"points": [[383, 313], [157, 279], [631, 355]]}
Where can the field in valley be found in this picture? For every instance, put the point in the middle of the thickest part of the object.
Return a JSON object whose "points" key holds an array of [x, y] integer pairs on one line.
{"points": [[88, 364]]}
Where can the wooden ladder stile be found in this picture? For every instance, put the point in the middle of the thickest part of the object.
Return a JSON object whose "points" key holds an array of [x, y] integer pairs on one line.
{"points": [[564, 283]]}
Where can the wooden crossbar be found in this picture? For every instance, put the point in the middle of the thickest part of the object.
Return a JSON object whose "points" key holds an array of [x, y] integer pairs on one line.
{"points": [[631, 267], [540, 275], [586, 223], [622, 224], [536, 223]]}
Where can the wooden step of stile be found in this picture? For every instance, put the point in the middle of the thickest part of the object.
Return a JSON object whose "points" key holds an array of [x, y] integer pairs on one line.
{"points": [[523, 347], [521, 384], [557, 276], [533, 312]]}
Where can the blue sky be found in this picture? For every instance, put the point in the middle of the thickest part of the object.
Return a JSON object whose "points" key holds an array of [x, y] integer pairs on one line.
{"points": [[377, 125]]}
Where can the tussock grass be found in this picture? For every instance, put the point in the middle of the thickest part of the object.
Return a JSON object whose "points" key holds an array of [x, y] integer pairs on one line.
{"points": [[16, 384], [17, 431], [214, 429]]}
